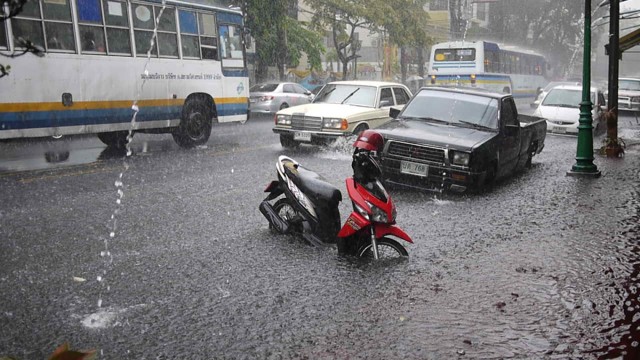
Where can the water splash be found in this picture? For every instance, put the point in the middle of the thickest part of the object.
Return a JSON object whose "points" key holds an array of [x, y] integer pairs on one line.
{"points": [[119, 184]]}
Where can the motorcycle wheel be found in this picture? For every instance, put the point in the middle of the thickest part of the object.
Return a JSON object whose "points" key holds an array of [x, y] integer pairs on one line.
{"points": [[285, 210], [387, 249]]}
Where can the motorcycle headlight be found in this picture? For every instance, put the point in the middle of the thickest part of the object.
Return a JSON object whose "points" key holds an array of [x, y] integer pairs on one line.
{"points": [[282, 119], [335, 123], [361, 211], [460, 158], [379, 215]]}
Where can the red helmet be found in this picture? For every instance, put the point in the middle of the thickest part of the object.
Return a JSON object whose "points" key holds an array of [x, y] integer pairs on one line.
{"points": [[369, 140]]}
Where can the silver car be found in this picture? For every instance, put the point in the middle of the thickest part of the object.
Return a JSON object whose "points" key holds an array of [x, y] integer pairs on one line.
{"points": [[268, 98]]}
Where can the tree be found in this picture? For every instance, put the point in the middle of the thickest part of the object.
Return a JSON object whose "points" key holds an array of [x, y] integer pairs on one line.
{"points": [[343, 17], [405, 22], [552, 27], [280, 40], [15, 7]]}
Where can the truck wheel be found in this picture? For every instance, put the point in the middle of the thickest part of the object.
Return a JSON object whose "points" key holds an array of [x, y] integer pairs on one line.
{"points": [[287, 142], [195, 126], [115, 139], [490, 177]]}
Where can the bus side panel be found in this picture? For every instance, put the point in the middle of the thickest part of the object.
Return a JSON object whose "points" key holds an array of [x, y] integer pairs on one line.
{"points": [[104, 90]]}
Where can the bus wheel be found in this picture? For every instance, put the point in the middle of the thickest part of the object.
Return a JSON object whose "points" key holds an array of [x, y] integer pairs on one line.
{"points": [[195, 126], [115, 139]]}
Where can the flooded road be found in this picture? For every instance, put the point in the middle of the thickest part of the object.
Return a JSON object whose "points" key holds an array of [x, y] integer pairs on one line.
{"points": [[543, 266]]}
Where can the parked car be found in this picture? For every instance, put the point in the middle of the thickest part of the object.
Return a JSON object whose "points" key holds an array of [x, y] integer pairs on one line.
{"points": [[629, 94], [457, 140], [268, 98], [341, 108], [561, 108], [546, 89]]}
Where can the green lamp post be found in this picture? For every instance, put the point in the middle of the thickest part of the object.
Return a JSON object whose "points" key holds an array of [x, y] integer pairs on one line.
{"points": [[584, 165]]}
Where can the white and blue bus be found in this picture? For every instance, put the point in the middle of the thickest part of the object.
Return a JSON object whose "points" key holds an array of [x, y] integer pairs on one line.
{"points": [[487, 65], [99, 69]]}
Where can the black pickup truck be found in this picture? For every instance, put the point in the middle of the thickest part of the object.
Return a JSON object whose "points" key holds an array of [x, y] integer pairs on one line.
{"points": [[448, 139]]}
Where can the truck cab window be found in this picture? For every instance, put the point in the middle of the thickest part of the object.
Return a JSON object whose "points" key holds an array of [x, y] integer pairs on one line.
{"points": [[508, 112]]}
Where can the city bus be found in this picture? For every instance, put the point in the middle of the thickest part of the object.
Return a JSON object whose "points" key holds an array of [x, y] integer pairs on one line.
{"points": [[177, 65], [488, 65]]}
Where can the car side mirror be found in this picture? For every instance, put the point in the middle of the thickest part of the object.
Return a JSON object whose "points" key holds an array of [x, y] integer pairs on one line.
{"points": [[394, 112], [307, 92]]}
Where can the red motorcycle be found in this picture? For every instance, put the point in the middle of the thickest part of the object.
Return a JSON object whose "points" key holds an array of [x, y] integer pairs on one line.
{"points": [[309, 207]]}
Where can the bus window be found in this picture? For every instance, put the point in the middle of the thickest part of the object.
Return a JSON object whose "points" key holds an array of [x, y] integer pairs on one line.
{"points": [[189, 34], [59, 33], [143, 25], [25, 28], [93, 27], [208, 42], [91, 30], [167, 33], [231, 46]]}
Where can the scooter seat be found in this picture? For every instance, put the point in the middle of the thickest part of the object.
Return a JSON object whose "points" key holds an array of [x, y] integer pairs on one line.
{"points": [[314, 185]]}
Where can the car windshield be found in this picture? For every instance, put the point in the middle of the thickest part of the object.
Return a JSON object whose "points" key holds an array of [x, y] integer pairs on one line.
{"points": [[347, 94], [263, 88], [453, 108], [565, 98], [629, 85]]}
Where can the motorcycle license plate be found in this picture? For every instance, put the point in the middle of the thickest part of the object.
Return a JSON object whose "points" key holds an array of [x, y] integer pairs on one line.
{"points": [[301, 136], [408, 167]]}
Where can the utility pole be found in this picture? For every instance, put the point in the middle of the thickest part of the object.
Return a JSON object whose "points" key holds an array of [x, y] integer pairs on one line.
{"points": [[584, 165], [612, 147]]}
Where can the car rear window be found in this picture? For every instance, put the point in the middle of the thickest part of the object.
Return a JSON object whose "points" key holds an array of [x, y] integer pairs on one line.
{"points": [[263, 88]]}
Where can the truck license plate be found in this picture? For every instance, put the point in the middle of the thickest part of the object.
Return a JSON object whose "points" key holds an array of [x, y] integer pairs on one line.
{"points": [[301, 136], [407, 167]]}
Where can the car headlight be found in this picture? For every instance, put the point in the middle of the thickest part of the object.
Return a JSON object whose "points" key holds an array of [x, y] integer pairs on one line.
{"points": [[282, 119], [635, 99], [335, 123], [460, 158], [378, 215]]}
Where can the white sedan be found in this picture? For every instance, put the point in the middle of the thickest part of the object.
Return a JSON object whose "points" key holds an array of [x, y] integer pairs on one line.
{"points": [[341, 108], [561, 108]]}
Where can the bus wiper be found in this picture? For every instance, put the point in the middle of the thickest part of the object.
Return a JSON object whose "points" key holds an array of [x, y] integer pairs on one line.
{"points": [[350, 95], [475, 125]]}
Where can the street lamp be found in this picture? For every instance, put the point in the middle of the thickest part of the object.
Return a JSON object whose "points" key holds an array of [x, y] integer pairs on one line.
{"points": [[584, 165]]}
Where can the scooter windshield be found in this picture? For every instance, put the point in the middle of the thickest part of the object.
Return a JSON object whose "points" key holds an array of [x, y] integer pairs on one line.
{"points": [[375, 188]]}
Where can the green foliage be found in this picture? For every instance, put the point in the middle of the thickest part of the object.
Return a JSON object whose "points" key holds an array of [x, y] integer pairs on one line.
{"points": [[552, 27], [280, 39]]}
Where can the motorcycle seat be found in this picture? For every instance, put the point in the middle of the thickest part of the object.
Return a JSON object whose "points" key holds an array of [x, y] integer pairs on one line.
{"points": [[314, 185]]}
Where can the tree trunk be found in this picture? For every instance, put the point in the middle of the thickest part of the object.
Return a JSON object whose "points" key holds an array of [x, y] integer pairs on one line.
{"points": [[403, 64]]}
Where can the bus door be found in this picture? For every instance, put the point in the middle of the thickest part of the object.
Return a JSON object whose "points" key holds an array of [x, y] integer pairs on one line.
{"points": [[234, 70]]}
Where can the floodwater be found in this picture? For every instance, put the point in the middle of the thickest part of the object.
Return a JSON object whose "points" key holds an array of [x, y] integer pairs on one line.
{"points": [[543, 266]]}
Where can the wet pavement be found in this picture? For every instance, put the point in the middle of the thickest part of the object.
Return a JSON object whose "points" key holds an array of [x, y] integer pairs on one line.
{"points": [[543, 266]]}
